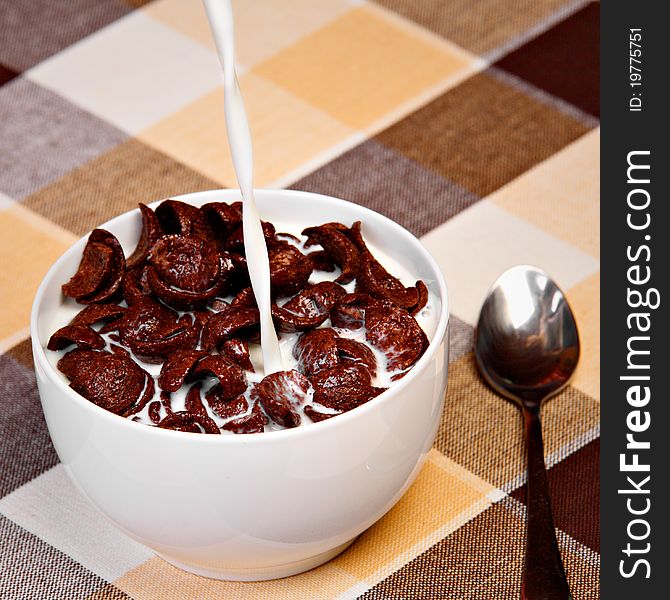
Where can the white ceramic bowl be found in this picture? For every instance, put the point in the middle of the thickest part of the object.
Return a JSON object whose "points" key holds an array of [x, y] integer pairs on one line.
{"points": [[250, 507]]}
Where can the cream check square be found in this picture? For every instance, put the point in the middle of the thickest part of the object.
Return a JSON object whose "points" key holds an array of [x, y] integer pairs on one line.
{"points": [[268, 26], [5, 201], [561, 195], [54, 510], [478, 244], [363, 66], [286, 133], [132, 73]]}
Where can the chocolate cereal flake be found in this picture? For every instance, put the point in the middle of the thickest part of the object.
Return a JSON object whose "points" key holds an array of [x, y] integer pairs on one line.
{"points": [[244, 299], [290, 322], [135, 285], [151, 231], [193, 402], [232, 323], [351, 351], [147, 395], [341, 375], [186, 271], [94, 270], [280, 394], [83, 337], [181, 218], [254, 422], [175, 369], [224, 406], [316, 350], [238, 351], [396, 333], [235, 241], [153, 331], [321, 261], [317, 415], [289, 269], [112, 283], [166, 401], [316, 299], [423, 298], [231, 377], [97, 313], [113, 382], [190, 422], [223, 219], [376, 281], [154, 412], [345, 398], [339, 248], [349, 311]]}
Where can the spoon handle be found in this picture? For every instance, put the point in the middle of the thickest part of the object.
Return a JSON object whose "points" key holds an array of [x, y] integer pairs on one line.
{"points": [[543, 575]]}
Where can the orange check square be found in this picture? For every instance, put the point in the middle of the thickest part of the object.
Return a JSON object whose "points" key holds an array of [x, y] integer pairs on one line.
{"points": [[362, 66]]}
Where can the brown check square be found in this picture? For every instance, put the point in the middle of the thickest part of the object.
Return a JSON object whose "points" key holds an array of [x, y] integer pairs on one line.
{"points": [[482, 134], [489, 440], [113, 183]]}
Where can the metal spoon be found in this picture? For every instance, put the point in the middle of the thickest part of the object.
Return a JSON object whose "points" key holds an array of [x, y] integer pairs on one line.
{"points": [[527, 348]]}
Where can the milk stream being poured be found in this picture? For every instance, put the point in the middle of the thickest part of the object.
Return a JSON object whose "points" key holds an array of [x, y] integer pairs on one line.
{"points": [[220, 15]]}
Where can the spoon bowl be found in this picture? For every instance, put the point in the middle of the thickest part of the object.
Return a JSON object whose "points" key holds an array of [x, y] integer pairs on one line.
{"points": [[527, 349], [527, 345]]}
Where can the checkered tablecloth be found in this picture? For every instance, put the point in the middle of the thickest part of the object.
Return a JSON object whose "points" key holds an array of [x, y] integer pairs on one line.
{"points": [[472, 123]]}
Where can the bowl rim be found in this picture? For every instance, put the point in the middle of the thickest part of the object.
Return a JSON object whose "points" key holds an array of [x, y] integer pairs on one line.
{"points": [[286, 434]]}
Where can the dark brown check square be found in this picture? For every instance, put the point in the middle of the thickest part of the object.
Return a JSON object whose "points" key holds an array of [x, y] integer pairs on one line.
{"points": [[565, 60], [574, 486], [6, 74]]}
